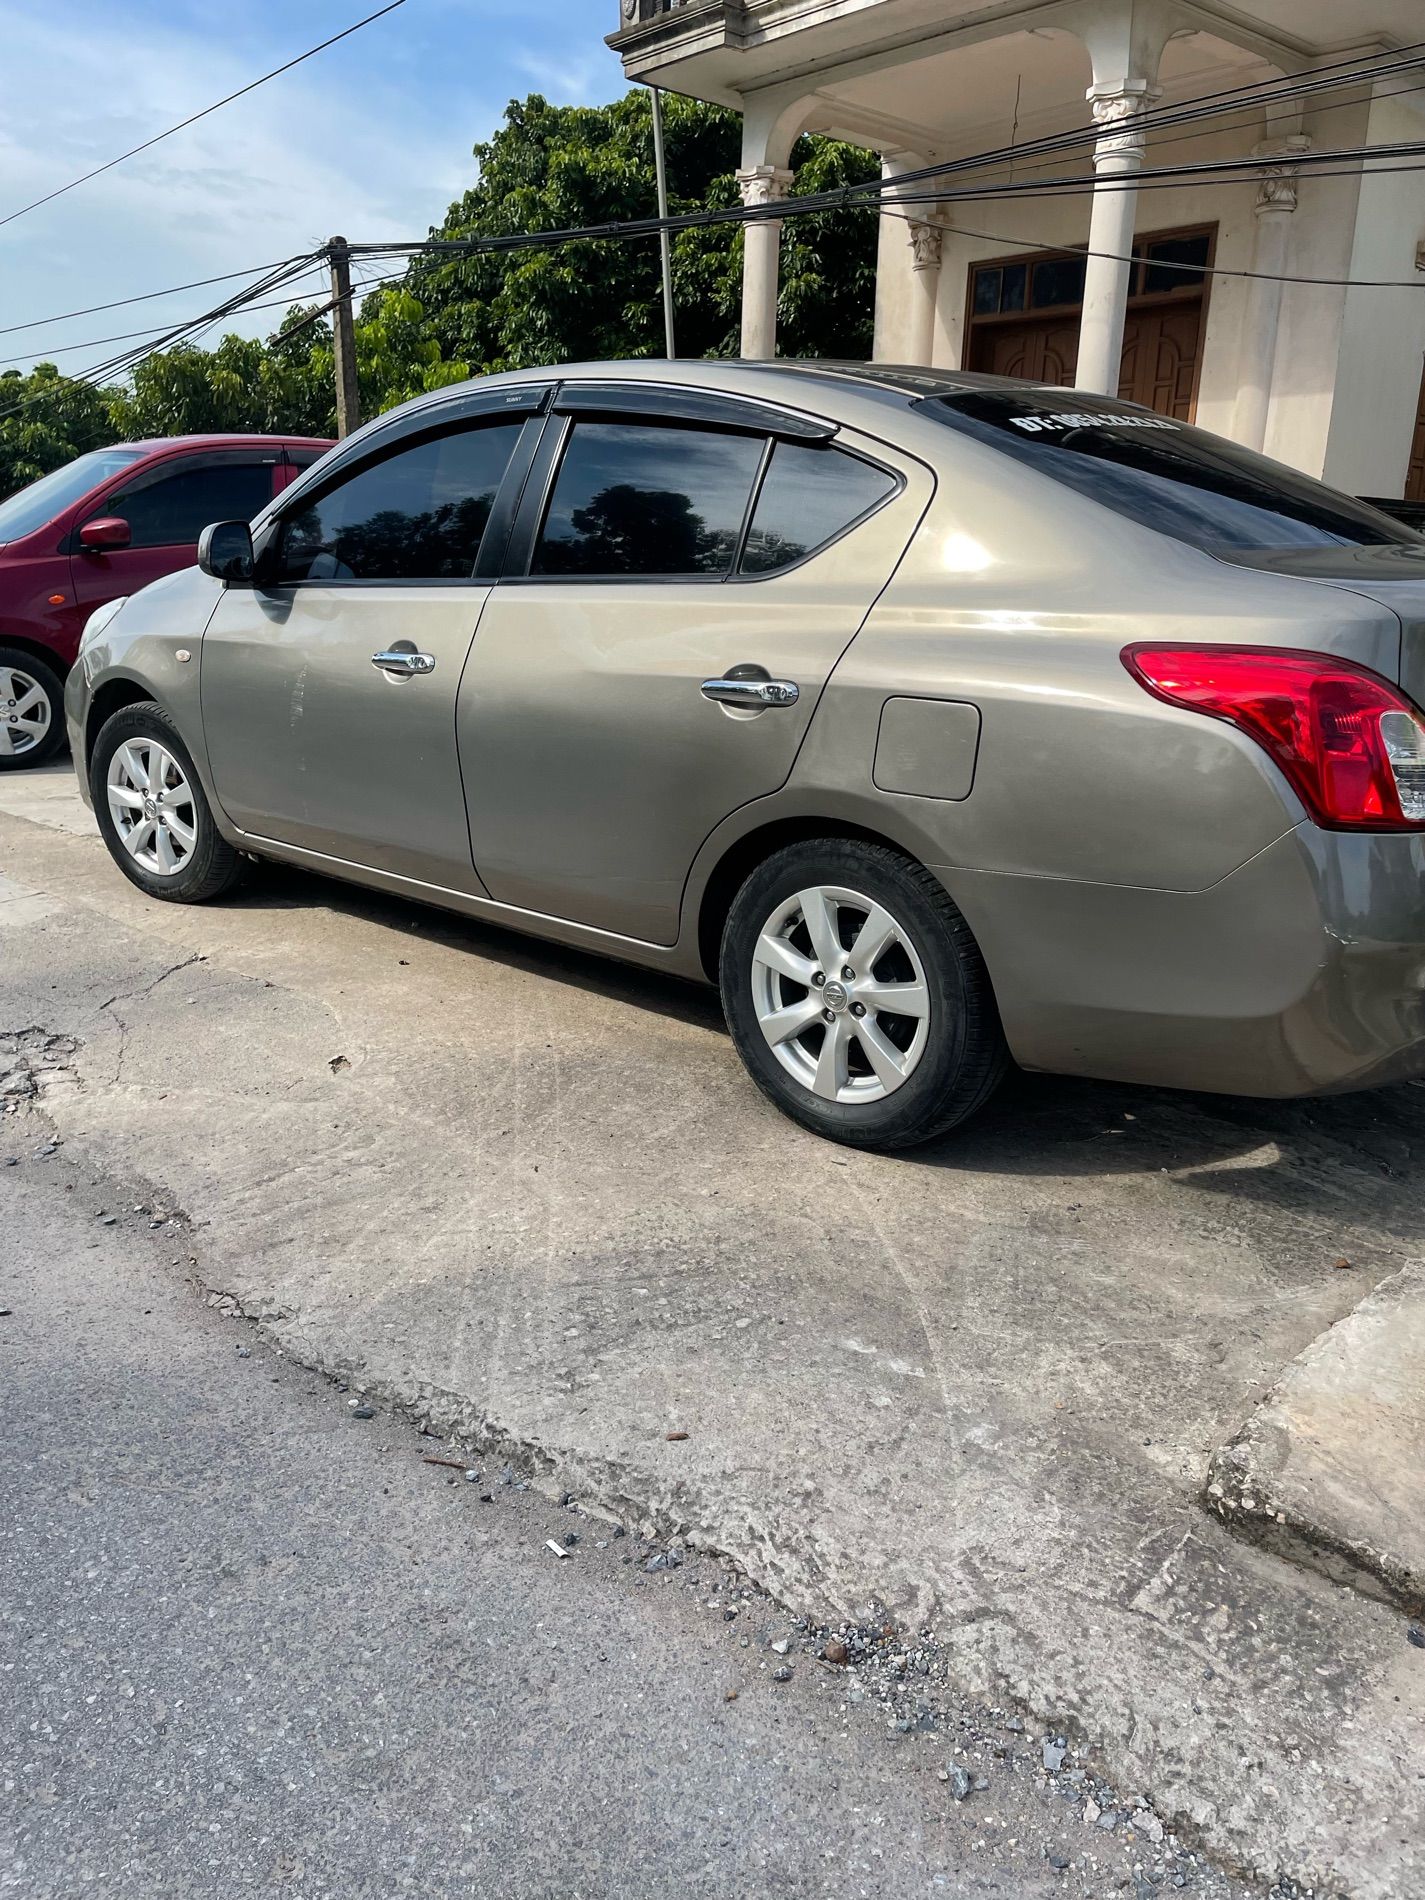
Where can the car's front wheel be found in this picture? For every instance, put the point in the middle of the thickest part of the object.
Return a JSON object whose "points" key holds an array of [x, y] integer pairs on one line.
{"points": [[152, 810], [857, 996], [31, 710]]}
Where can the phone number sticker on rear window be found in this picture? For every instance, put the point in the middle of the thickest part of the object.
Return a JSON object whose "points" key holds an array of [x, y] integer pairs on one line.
{"points": [[1081, 419]]}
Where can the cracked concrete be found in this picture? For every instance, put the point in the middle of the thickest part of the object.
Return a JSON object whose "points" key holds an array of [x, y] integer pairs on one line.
{"points": [[981, 1386], [1331, 1467]]}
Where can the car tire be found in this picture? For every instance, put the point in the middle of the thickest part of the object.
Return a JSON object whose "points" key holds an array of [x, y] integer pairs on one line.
{"points": [[22, 677], [152, 810], [915, 1044]]}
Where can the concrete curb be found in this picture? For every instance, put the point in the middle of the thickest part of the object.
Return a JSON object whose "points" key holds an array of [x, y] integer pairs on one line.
{"points": [[1330, 1469]]}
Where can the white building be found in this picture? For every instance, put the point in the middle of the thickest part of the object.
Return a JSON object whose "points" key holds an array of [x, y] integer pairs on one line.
{"points": [[1328, 377]]}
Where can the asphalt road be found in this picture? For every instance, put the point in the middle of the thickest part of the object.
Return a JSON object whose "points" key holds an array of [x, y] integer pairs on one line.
{"points": [[529, 1200], [250, 1643]]}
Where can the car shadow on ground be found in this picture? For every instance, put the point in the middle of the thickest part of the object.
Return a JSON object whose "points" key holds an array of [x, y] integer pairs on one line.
{"points": [[1342, 1154]]}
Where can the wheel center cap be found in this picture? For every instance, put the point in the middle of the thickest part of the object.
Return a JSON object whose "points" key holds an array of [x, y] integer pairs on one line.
{"points": [[834, 996], [150, 809]]}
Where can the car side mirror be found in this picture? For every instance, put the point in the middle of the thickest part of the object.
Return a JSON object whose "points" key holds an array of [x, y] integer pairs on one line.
{"points": [[225, 551], [104, 533]]}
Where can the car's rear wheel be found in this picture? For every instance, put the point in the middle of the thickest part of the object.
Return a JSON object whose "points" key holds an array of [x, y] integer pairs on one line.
{"points": [[857, 996], [31, 710], [152, 810]]}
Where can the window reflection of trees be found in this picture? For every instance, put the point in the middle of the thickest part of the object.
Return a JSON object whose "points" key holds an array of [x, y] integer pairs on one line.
{"points": [[625, 529], [440, 543]]}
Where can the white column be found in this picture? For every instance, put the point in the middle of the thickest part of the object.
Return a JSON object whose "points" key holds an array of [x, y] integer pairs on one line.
{"points": [[907, 271], [1276, 200], [925, 246], [1118, 155], [761, 240]]}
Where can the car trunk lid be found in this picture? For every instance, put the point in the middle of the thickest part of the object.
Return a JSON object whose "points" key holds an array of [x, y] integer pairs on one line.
{"points": [[1394, 577]]}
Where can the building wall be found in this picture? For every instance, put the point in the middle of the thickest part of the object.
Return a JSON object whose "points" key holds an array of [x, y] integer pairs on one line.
{"points": [[1383, 331], [1348, 365]]}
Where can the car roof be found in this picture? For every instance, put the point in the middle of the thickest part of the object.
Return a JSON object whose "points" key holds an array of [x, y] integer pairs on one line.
{"points": [[791, 380], [154, 444]]}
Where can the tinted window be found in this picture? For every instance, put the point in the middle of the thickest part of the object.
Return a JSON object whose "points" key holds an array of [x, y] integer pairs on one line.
{"points": [[1166, 475], [809, 497], [1057, 280], [634, 498], [52, 494], [1168, 252], [417, 516], [174, 510]]}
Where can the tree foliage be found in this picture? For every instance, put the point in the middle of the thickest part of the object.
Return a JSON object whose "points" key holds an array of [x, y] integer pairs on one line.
{"points": [[546, 168], [551, 168]]}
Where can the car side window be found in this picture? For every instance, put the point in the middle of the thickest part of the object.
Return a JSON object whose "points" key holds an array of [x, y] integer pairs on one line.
{"points": [[174, 509], [417, 515], [648, 498], [808, 498]]}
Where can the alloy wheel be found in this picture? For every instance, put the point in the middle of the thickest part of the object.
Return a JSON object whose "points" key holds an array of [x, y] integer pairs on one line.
{"points": [[840, 994], [24, 713], [151, 804]]}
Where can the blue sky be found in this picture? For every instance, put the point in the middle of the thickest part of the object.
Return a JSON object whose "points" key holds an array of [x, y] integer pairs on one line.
{"points": [[371, 138]]}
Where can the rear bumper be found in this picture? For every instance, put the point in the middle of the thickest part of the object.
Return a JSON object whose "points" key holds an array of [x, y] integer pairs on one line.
{"points": [[1301, 973]]}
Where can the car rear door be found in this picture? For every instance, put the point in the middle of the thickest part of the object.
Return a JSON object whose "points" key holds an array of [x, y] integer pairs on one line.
{"points": [[167, 505], [668, 539], [329, 689]]}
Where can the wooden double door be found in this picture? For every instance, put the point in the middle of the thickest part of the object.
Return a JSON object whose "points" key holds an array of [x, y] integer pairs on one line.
{"points": [[1162, 347]]}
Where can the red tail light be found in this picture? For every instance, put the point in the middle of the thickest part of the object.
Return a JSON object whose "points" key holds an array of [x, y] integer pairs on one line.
{"points": [[1352, 744]]}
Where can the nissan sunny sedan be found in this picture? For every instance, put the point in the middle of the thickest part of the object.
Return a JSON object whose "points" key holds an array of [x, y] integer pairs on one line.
{"points": [[943, 721]]}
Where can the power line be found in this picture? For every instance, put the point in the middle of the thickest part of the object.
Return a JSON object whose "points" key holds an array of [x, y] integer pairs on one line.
{"points": [[892, 191], [865, 195], [194, 117], [155, 329], [95, 373], [146, 296]]}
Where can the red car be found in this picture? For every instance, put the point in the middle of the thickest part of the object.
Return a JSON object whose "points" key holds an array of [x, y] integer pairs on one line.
{"points": [[103, 526]]}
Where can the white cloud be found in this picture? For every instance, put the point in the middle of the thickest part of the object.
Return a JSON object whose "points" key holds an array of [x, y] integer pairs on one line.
{"points": [[347, 146]]}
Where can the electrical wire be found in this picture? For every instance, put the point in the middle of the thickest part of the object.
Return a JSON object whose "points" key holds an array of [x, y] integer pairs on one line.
{"points": [[868, 193], [1360, 69], [146, 296], [194, 117]]}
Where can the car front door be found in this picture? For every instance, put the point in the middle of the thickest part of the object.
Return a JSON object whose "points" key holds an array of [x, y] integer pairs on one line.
{"points": [[329, 688], [167, 506], [667, 540]]}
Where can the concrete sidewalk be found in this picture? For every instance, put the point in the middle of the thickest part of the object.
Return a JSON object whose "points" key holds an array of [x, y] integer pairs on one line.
{"points": [[533, 1199]]}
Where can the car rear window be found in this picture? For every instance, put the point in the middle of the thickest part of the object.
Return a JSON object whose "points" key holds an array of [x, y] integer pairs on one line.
{"points": [[1165, 474], [52, 494]]}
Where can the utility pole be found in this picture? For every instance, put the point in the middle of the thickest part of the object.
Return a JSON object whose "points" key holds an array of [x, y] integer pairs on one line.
{"points": [[348, 402], [665, 242]]}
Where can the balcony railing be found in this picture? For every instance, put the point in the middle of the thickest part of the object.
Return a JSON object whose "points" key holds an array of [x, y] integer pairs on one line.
{"points": [[637, 12]]}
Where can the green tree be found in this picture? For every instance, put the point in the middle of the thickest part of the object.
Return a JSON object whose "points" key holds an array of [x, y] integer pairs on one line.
{"points": [[547, 168], [46, 419], [560, 167]]}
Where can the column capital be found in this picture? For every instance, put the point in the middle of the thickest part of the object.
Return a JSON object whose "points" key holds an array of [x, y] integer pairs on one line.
{"points": [[1277, 189], [763, 184], [1117, 111], [926, 241]]}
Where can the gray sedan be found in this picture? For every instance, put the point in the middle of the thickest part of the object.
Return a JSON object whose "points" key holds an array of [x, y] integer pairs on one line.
{"points": [[942, 720]]}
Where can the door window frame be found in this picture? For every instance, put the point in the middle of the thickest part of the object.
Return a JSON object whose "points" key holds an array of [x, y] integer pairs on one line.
{"points": [[488, 411], [670, 407]]}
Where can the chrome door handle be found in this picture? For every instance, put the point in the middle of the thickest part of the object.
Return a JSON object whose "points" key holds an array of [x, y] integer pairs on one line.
{"points": [[403, 662], [753, 695]]}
